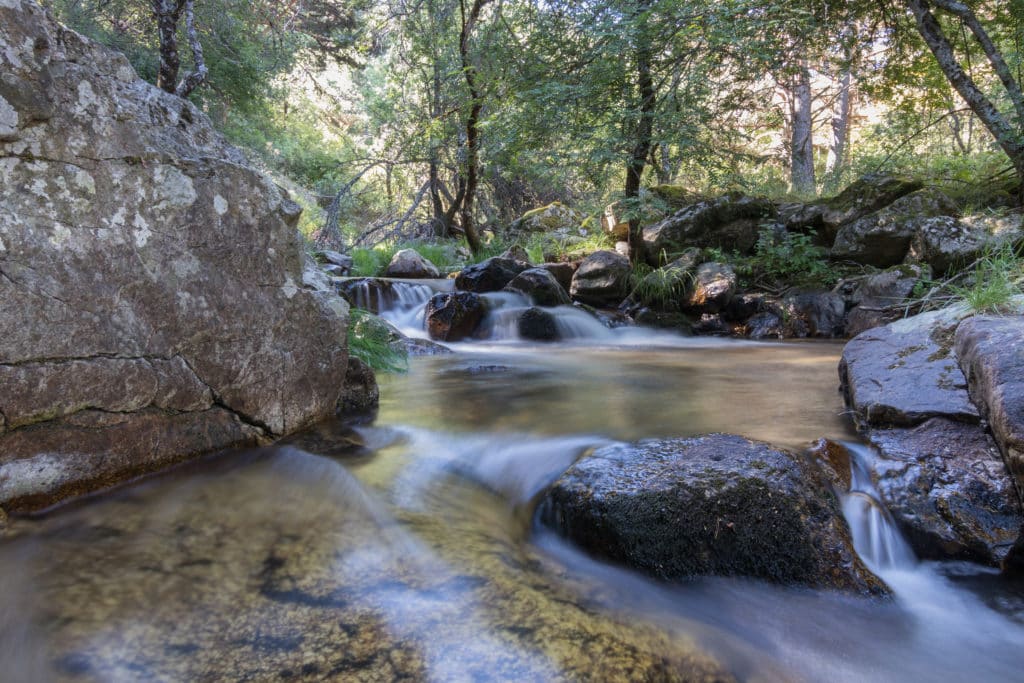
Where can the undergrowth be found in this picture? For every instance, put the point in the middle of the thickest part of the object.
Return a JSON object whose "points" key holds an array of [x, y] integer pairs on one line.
{"points": [[372, 341], [997, 277]]}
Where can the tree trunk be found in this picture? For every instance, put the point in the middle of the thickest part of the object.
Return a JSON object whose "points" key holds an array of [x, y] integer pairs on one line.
{"points": [[1008, 137], [199, 70], [168, 13], [642, 140], [840, 131], [801, 153], [472, 125]]}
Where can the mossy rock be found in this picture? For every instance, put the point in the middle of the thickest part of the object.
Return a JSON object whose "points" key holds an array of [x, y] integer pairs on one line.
{"points": [[549, 218]]}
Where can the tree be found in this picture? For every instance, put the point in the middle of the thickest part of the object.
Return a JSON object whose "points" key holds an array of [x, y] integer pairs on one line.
{"points": [[168, 15]]}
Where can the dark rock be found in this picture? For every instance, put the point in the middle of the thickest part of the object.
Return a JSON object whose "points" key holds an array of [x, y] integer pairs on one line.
{"points": [[454, 316], [991, 355], [563, 272], [541, 286], [948, 489], [866, 195], [765, 325], [883, 238], [742, 306], [712, 324], [489, 276], [905, 373], [716, 505], [361, 393], [602, 279], [408, 263], [368, 293], [664, 320], [515, 253], [130, 231], [712, 290], [667, 288], [730, 223], [336, 270], [537, 324], [814, 314], [877, 297]]}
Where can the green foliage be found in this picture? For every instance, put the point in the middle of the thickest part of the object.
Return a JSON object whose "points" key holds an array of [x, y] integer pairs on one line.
{"points": [[998, 277], [781, 259], [373, 342], [662, 288]]}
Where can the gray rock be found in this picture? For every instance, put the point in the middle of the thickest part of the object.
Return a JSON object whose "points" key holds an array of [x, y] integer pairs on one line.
{"points": [[454, 316], [537, 324], [361, 393], [991, 354], [731, 223], [883, 238], [563, 272], [140, 255], [948, 489], [712, 288], [813, 314], [334, 258], [765, 325], [946, 243], [541, 286], [489, 276], [713, 505], [602, 279], [408, 263], [423, 347], [866, 195], [876, 297], [905, 373]]}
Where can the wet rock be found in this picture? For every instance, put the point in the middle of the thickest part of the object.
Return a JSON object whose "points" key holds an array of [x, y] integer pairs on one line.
{"points": [[744, 305], [368, 293], [713, 324], [563, 272], [866, 195], [667, 320], [877, 297], [489, 276], [454, 316], [883, 238], [537, 324], [712, 288], [131, 231], [730, 223], [814, 314], [361, 393], [602, 279], [540, 285], [948, 489], [991, 354], [905, 373], [408, 263], [717, 505], [764, 325], [423, 347]]}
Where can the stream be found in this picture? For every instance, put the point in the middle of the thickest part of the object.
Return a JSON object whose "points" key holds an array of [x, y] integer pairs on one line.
{"points": [[406, 549]]}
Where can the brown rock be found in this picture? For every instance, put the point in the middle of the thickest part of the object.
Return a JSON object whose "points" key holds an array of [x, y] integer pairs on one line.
{"points": [[454, 316]]}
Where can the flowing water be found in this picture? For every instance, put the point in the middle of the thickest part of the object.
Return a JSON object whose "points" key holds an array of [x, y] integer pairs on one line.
{"points": [[405, 549]]}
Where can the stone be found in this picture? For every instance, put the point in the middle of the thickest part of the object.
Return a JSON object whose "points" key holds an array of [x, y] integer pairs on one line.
{"points": [[615, 226], [948, 490], [991, 354], [602, 279], [905, 372], [666, 320], [536, 324], [515, 253], [141, 257], [676, 196], [882, 239], [946, 243], [712, 288], [867, 194], [715, 505], [813, 314], [764, 325], [540, 285], [713, 324], [335, 258], [490, 275], [454, 316], [408, 263], [877, 297], [423, 347], [368, 293], [361, 394], [563, 272], [731, 223], [550, 218]]}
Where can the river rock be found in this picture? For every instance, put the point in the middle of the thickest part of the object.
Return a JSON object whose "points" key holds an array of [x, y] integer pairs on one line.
{"points": [[905, 373], [409, 263], [541, 286], [814, 314], [948, 489], [361, 393], [490, 275], [536, 324], [712, 288], [454, 316], [991, 354], [602, 279], [731, 223], [867, 194], [717, 505], [877, 297], [946, 243], [141, 256], [882, 239], [368, 293], [563, 272], [765, 325]]}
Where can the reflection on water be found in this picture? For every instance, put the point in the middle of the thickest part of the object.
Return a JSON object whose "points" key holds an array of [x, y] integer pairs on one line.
{"points": [[406, 551]]}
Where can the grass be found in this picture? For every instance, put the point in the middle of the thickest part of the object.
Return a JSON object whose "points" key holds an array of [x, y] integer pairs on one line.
{"points": [[997, 278], [661, 288], [372, 341]]}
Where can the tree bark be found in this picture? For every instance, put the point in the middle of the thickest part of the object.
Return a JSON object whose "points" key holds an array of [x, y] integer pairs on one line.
{"points": [[801, 153], [472, 124], [840, 130], [1008, 136], [199, 70], [642, 139], [168, 13]]}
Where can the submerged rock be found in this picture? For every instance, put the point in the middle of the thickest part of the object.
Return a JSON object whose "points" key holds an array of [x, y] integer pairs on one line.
{"points": [[361, 393], [716, 505], [454, 316], [602, 279]]}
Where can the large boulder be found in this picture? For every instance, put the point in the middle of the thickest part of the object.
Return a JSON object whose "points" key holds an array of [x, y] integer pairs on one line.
{"points": [[454, 316], [490, 275], [156, 299], [883, 238], [541, 286], [946, 243], [556, 218], [731, 223], [905, 373], [867, 194], [877, 297], [715, 505], [602, 279], [947, 488], [409, 263]]}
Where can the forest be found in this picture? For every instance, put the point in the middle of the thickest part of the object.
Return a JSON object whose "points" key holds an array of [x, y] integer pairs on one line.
{"points": [[420, 120]]}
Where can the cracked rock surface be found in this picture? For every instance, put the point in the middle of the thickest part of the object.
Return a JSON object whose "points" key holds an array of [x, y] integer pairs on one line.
{"points": [[152, 282]]}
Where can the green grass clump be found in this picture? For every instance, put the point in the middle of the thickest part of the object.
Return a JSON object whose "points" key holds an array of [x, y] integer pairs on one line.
{"points": [[373, 342], [663, 288], [998, 277]]}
